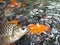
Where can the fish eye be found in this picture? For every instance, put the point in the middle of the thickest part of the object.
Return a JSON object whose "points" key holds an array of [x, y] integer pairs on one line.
{"points": [[23, 28]]}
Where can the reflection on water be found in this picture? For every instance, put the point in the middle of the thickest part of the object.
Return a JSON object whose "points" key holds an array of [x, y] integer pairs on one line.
{"points": [[53, 15]]}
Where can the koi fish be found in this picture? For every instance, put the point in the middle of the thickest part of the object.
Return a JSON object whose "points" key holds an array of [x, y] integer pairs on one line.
{"points": [[11, 31]]}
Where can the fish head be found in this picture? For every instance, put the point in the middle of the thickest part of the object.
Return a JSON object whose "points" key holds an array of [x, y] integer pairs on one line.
{"points": [[18, 32]]}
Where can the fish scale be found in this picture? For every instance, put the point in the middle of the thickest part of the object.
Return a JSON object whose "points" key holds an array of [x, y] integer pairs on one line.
{"points": [[6, 29]]}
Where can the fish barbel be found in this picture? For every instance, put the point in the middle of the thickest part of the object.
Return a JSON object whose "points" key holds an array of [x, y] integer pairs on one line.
{"points": [[10, 32]]}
